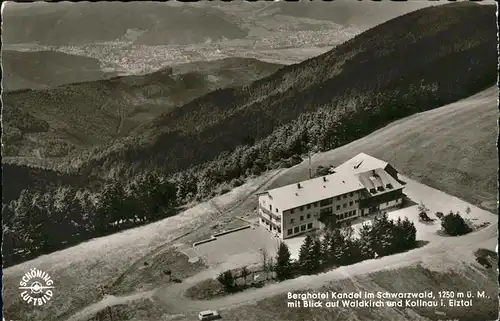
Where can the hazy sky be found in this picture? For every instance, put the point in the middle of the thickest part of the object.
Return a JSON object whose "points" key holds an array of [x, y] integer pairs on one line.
{"points": [[15, 5]]}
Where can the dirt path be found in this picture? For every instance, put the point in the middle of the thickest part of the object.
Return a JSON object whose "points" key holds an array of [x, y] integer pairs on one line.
{"points": [[108, 301], [439, 255], [221, 211], [446, 250]]}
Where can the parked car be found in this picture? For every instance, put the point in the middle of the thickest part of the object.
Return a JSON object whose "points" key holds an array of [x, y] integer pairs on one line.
{"points": [[209, 315]]}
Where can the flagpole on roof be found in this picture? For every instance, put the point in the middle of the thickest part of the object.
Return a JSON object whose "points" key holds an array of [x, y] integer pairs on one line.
{"points": [[310, 169]]}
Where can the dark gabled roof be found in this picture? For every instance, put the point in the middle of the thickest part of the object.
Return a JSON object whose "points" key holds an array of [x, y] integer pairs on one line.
{"points": [[378, 181]]}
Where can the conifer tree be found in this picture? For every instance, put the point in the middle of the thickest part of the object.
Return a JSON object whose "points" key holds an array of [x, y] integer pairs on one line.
{"points": [[226, 278], [316, 255], [310, 254], [305, 254], [283, 266], [366, 241], [327, 248]]}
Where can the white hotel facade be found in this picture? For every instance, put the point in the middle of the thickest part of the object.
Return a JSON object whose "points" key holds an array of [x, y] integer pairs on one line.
{"points": [[361, 186]]}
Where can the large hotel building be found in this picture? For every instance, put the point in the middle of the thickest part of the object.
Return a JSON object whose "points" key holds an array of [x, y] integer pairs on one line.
{"points": [[361, 186]]}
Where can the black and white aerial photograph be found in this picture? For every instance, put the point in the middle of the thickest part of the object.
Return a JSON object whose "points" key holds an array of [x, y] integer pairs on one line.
{"points": [[250, 161]]}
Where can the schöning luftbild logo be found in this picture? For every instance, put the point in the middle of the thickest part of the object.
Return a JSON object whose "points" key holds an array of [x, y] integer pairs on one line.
{"points": [[36, 287]]}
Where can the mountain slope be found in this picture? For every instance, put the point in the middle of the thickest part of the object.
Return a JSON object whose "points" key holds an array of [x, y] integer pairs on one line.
{"points": [[435, 127], [451, 148], [43, 69], [84, 114], [80, 23], [413, 63], [19, 177], [339, 13], [361, 14]]}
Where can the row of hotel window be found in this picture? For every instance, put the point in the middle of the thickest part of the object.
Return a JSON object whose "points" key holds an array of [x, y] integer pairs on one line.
{"points": [[303, 228], [292, 220], [340, 216], [345, 204], [271, 226], [323, 203], [347, 215], [338, 208], [315, 204]]}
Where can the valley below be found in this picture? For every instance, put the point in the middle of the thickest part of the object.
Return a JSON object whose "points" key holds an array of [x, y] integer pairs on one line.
{"points": [[127, 58]]}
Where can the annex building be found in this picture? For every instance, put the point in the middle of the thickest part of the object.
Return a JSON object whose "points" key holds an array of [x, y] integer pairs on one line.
{"points": [[361, 186]]}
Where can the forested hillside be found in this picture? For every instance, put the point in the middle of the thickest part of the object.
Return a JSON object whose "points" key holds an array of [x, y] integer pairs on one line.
{"points": [[383, 74], [413, 63], [81, 115], [44, 69], [68, 23], [16, 178]]}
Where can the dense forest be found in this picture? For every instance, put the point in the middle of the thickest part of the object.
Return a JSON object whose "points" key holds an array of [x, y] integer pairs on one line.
{"points": [[417, 62], [17, 177]]}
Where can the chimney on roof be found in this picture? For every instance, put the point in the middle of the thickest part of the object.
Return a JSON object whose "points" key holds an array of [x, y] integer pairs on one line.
{"points": [[324, 178], [298, 185]]}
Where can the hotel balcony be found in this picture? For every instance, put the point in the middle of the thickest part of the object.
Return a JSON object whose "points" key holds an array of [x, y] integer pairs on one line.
{"points": [[267, 214]]}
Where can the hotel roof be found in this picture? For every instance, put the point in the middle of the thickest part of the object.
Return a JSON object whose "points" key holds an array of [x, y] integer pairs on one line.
{"points": [[314, 190], [378, 182], [362, 172], [361, 163]]}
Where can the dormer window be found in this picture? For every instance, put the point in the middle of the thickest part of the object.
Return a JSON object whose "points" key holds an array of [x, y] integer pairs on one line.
{"points": [[389, 186], [373, 191]]}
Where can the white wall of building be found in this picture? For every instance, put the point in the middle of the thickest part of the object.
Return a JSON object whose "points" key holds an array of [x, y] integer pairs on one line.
{"points": [[347, 206], [293, 222], [305, 218], [300, 220], [270, 222], [390, 204]]}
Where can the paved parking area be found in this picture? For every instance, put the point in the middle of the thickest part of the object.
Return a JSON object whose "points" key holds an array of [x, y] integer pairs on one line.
{"points": [[437, 201], [241, 247]]}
